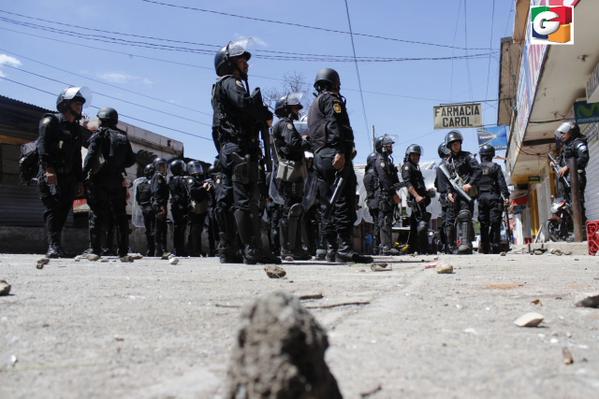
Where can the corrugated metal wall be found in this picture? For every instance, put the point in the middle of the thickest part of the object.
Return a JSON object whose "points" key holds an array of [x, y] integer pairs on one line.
{"points": [[591, 195]]}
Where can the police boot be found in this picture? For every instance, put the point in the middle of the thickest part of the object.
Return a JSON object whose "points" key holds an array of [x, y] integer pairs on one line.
{"points": [[450, 237], [346, 252], [245, 231], [387, 251], [484, 245], [54, 252], [465, 247], [286, 253], [321, 254], [151, 249]]}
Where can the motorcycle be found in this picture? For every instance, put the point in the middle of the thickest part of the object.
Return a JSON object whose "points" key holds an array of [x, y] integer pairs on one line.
{"points": [[560, 224]]}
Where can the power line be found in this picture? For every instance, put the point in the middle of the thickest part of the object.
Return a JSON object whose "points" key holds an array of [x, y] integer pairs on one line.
{"points": [[353, 46], [212, 47], [120, 114], [171, 48], [197, 66], [490, 44], [455, 33], [105, 83], [110, 96], [298, 25], [469, 78]]}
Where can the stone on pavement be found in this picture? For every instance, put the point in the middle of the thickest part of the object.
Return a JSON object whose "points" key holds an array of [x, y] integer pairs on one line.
{"points": [[444, 268], [4, 288], [273, 271], [279, 353], [531, 319]]}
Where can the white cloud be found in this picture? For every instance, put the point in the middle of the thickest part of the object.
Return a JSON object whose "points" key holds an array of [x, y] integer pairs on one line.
{"points": [[123, 78], [10, 61]]}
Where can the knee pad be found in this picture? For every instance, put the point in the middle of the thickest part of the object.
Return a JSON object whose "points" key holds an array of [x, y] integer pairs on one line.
{"points": [[241, 172], [295, 211], [464, 215]]}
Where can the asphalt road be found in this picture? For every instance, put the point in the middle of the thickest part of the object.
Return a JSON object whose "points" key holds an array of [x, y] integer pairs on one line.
{"points": [[154, 330]]}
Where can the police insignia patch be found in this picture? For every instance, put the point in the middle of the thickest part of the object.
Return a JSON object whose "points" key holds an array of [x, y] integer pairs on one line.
{"points": [[290, 126], [238, 83], [406, 168], [382, 164], [337, 108]]}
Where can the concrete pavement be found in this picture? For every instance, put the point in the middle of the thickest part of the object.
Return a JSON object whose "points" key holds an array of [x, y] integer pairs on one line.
{"points": [[153, 330]]}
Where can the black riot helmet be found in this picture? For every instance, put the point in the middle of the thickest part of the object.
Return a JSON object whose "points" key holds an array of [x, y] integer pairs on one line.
{"points": [[149, 170], [378, 144], [443, 151], [177, 167], [387, 144], [487, 152], [283, 104], [567, 127], [452, 136], [327, 79], [413, 149], [370, 160], [195, 168], [224, 56], [160, 165], [108, 116], [68, 96]]}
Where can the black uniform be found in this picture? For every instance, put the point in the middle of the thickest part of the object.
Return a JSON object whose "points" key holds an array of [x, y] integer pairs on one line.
{"points": [[578, 149], [109, 153], [388, 179], [442, 191], [199, 202], [371, 185], [290, 146], [331, 134], [419, 218], [460, 211], [143, 196], [179, 210], [492, 188], [59, 148], [160, 194], [238, 118]]}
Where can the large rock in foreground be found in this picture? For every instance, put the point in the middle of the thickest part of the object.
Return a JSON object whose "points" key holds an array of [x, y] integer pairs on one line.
{"points": [[279, 353]]}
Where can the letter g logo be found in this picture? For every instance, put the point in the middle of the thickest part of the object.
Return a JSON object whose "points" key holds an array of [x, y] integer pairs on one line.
{"points": [[543, 23]]}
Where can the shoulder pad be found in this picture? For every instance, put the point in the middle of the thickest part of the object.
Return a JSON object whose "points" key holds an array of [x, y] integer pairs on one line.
{"points": [[581, 145], [48, 119]]}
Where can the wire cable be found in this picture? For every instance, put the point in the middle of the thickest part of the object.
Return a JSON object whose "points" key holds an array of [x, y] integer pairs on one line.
{"points": [[353, 46], [120, 114], [297, 25], [110, 96]]}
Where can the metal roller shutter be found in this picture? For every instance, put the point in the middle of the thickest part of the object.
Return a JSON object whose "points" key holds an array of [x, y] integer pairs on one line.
{"points": [[591, 194]]}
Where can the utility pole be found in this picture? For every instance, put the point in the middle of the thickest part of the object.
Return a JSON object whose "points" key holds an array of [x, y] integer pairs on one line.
{"points": [[577, 216], [373, 138]]}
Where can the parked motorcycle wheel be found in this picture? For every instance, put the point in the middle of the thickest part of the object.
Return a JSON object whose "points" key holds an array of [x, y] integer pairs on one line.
{"points": [[553, 230]]}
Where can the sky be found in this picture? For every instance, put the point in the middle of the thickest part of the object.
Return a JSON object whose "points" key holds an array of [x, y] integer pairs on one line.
{"points": [[170, 87]]}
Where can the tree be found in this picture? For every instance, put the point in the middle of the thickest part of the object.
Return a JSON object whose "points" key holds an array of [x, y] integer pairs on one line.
{"points": [[292, 82]]}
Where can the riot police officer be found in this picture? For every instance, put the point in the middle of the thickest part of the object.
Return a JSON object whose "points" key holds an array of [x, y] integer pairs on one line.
{"points": [[290, 146], [237, 120], [143, 196], [443, 153], [160, 195], [371, 185], [108, 155], [199, 188], [388, 179], [177, 185], [492, 188], [574, 145], [419, 199], [333, 142], [60, 175], [461, 168]]}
